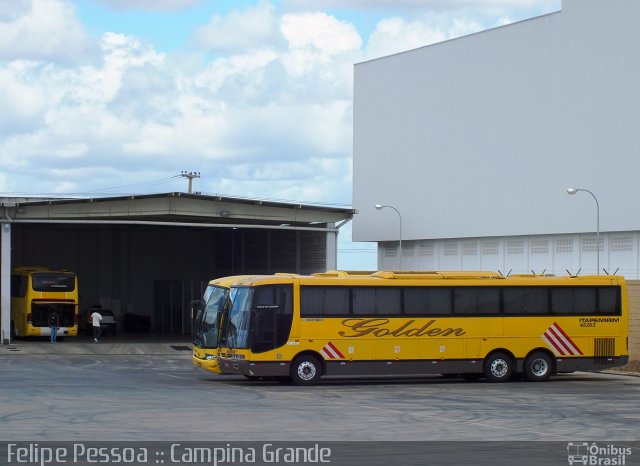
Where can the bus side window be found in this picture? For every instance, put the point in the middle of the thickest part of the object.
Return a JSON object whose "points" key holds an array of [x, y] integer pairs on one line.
{"points": [[476, 300], [324, 300], [370, 300], [533, 300], [585, 300], [18, 286], [609, 300], [568, 300]]}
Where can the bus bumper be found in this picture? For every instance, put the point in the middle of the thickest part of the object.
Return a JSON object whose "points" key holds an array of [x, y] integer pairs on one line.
{"points": [[205, 359], [46, 332], [254, 369], [590, 364]]}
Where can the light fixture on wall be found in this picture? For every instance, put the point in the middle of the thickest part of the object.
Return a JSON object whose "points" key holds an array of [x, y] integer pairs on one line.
{"points": [[572, 191], [380, 207]]}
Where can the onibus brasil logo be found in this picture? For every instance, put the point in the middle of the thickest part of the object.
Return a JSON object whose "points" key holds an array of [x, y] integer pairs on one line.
{"points": [[594, 454]]}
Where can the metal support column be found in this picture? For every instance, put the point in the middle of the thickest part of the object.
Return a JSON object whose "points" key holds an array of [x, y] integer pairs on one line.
{"points": [[5, 279]]}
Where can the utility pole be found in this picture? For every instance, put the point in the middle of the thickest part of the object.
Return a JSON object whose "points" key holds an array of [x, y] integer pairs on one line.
{"points": [[191, 176]]}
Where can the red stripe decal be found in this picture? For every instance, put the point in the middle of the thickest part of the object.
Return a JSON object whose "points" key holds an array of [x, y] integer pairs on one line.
{"points": [[553, 343], [335, 350], [568, 338], [553, 331]]}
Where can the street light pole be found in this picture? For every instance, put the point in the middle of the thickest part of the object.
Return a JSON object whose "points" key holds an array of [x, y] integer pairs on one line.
{"points": [[380, 207], [572, 191]]}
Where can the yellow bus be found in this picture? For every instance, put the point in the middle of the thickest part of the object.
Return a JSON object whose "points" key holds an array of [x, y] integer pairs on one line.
{"points": [[206, 321], [409, 323], [36, 292]]}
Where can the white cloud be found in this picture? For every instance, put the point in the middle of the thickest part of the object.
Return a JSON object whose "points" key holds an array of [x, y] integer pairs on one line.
{"points": [[395, 35], [12, 9], [23, 104], [239, 30], [315, 39], [317, 179], [151, 5], [249, 68], [43, 30]]}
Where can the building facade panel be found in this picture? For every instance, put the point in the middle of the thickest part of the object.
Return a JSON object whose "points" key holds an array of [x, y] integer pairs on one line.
{"points": [[479, 137]]}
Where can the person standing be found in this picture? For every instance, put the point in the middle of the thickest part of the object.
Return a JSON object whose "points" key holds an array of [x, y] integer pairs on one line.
{"points": [[54, 325], [96, 317]]}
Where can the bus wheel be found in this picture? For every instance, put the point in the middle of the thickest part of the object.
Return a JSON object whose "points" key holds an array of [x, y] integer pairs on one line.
{"points": [[12, 331], [305, 370], [498, 367], [537, 367]]}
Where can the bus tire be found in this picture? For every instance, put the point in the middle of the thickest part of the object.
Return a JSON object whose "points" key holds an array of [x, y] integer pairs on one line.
{"points": [[498, 367], [305, 370], [538, 367], [12, 331]]}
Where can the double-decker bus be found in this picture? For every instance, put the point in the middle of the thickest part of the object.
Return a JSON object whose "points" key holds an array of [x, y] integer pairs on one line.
{"points": [[208, 316], [36, 292], [408, 323]]}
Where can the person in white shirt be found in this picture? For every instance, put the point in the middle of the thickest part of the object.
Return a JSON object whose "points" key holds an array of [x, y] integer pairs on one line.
{"points": [[95, 320]]}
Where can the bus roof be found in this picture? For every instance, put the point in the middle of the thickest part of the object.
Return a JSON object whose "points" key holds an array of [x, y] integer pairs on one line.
{"points": [[226, 282], [229, 281], [343, 273], [24, 269], [427, 277]]}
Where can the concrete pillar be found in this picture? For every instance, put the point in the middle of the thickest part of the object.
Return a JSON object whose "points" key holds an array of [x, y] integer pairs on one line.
{"points": [[332, 249]]}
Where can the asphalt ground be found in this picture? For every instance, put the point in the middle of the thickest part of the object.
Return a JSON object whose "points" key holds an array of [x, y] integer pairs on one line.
{"points": [[60, 396]]}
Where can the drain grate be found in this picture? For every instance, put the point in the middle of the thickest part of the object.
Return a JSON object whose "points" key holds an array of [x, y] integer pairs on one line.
{"points": [[181, 348]]}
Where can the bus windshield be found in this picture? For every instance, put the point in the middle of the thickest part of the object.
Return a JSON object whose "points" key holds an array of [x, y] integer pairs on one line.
{"points": [[207, 320], [235, 331], [53, 282]]}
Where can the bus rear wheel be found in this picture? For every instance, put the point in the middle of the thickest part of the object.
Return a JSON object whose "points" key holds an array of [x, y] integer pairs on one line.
{"points": [[538, 367], [498, 367], [305, 370]]}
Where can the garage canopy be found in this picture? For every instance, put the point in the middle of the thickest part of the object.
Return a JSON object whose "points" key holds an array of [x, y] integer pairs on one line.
{"points": [[151, 254]]}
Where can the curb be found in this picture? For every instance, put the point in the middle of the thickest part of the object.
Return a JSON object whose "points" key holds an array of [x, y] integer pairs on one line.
{"points": [[92, 349]]}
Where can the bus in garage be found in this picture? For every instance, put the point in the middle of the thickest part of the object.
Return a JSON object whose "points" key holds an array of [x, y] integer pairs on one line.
{"points": [[37, 292], [476, 324]]}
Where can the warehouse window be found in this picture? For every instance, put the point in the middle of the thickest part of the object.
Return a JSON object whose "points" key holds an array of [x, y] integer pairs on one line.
{"points": [[621, 243], [451, 248], [469, 248], [425, 249], [515, 247], [490, 248], [539, 246], [564, 246]]}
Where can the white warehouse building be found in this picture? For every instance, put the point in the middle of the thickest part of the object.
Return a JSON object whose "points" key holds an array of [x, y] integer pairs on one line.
{"points": [[475, 141]]}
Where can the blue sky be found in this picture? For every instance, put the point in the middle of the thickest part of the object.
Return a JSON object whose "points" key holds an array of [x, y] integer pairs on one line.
{"points": [[118, 96]]}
